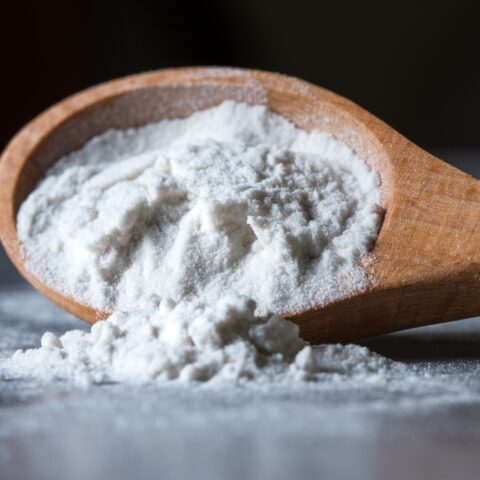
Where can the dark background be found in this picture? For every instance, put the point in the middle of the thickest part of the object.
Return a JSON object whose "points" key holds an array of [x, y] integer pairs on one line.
{"points": [[415, 64]]}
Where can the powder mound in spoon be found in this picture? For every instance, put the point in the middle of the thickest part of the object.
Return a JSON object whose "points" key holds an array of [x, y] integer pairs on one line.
{"points": [[223, 343], [231, 199]]}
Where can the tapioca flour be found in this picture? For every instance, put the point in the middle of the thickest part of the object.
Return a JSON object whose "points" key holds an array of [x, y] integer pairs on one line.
{"points": [[192, 231]]}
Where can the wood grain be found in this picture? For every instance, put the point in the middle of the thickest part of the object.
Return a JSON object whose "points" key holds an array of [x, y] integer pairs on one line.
{"points": [[425, 265]]}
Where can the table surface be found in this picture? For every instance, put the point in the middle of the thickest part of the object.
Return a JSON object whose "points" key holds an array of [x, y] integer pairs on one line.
{"points": [[429, 429]]}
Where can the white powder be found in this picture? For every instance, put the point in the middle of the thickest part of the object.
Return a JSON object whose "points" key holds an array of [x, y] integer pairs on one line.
{"points": [[173, 225]]}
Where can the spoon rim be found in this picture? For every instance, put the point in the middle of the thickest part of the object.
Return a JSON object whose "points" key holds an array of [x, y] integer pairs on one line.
{"points": [[24, 145]]}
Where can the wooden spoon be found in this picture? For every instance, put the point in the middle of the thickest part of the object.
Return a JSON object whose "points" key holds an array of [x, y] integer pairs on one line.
{"points": [[425, 265]]}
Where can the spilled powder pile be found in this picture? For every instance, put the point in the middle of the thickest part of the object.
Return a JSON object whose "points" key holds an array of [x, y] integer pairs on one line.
{"points": [[191, 231], [224, 343]]}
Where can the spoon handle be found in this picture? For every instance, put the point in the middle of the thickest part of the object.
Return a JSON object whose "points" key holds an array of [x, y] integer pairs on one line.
{"points": [[425, 266]]}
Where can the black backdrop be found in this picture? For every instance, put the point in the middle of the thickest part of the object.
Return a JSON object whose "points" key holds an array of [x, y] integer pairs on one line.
{"points": [[414, 64]]}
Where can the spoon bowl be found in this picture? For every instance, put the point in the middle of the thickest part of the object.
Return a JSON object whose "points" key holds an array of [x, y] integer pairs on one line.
{"points": [[425, 265]]}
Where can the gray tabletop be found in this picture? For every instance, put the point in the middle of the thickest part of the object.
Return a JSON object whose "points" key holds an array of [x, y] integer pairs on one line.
{"points": [[428, 429]]}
